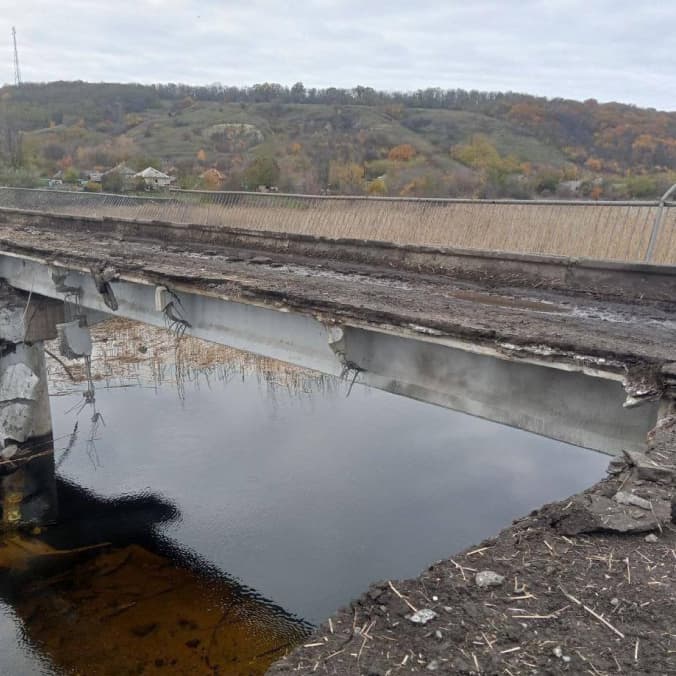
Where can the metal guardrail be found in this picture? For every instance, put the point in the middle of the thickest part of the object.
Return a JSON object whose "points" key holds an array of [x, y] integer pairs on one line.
{"points": [[657, 226], [627, 230]]}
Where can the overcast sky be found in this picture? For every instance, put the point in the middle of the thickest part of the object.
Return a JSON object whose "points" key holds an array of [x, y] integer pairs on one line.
{"points": [[621, 50]]}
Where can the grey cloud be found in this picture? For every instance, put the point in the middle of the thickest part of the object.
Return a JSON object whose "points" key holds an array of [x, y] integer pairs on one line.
{"points": [[609, 50]]}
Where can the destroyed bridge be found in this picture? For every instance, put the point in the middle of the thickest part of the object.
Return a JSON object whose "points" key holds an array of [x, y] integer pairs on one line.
{"points": [[554, 317]]}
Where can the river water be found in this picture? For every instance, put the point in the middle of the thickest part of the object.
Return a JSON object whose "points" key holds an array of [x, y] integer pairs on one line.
{"points": [[214, 505]]}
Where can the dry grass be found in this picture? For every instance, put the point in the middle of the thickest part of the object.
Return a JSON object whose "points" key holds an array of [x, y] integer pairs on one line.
{"points": [[604, 231]]}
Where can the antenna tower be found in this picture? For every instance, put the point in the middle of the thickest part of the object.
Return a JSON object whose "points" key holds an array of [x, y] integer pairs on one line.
{"points": [[17, 70]]}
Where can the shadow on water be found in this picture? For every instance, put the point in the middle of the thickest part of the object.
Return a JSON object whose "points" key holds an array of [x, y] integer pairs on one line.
{"points": [[103, 593]]}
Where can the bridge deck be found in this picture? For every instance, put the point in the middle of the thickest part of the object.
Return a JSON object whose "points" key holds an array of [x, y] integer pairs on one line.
{"points": [[557, 324]]}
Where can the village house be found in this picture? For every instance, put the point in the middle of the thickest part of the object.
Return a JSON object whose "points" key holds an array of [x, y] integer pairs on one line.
{"points": [[56, 180], [154, 179]]}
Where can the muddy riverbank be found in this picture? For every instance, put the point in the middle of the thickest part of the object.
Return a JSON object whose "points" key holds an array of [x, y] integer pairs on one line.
{"points": [[582, 586]]}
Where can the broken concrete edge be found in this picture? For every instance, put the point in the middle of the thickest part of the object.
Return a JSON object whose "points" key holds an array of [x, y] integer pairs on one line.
{"points": [[617, 279], [593, 512], [26, 317], [637, 496]]}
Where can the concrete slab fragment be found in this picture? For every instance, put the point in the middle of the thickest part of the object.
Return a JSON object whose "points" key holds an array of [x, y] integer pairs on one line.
{"points": [[647, 469], [15, 421], [18, 381]]}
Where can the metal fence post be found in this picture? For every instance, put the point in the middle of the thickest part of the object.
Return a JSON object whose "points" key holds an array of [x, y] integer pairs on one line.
{"points": [[654, 235]]}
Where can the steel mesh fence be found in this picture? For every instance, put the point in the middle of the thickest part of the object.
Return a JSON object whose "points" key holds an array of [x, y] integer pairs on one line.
{"points": [[601, 230]]}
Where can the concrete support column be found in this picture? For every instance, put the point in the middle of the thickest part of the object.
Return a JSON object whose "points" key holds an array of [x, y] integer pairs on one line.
{"points": [[27, 479]]}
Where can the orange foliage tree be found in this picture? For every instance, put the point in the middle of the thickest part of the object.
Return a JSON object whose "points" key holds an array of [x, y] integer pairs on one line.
{"points": [[212, 179], [402, 153], [594, 164]]}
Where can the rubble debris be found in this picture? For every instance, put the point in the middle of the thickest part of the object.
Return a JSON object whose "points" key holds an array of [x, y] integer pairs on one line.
{"points": [[422, 616], [488, 578], [642, 386], [624, 498], [647, 469]]}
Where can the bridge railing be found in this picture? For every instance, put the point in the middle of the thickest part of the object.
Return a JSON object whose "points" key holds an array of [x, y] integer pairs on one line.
{"points": [[626, 231]]}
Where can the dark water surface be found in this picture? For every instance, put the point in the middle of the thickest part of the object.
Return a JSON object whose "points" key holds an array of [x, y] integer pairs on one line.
{"points": [[240, 511]]}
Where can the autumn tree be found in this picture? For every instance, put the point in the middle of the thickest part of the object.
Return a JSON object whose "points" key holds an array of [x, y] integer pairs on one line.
{"points": [[377, 187], [212, 179], [499, 173], [65, 162], [346, 177], [594, 164], [479, 153], [402, 153]]}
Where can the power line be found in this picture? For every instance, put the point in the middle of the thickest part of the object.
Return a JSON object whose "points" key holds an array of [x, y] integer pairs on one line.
{"points": [[17, 70]]}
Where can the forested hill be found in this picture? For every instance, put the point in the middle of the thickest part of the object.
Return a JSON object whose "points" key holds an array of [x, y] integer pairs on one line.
{"points": [[429, 142]]}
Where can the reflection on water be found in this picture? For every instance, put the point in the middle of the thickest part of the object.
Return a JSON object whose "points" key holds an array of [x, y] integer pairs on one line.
{"points": [[207, 472], [101, 593]]}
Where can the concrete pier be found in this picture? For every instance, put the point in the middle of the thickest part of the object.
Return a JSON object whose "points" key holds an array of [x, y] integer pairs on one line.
{"points": [[27, 481]]}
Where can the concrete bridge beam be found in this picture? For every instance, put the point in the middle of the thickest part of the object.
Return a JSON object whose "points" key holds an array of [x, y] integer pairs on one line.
{"points": [[27, 480]]}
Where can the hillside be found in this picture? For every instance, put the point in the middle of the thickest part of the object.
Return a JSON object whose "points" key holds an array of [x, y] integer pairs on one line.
{"points": [[427, 143]]}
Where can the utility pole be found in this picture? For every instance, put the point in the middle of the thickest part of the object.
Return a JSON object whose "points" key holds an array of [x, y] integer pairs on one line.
{"points": [[17, 70]]}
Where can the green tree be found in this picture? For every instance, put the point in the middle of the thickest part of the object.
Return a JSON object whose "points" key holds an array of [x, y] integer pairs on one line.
{"points": [[112, 182], [71, 175], [19, 178], [262, 171]]}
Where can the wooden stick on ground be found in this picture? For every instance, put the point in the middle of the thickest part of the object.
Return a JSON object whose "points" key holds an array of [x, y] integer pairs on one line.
{"points": [[402, 597], [591, 612]]}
